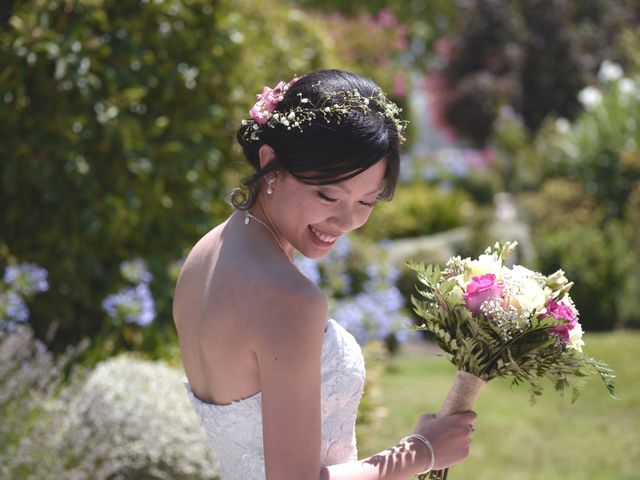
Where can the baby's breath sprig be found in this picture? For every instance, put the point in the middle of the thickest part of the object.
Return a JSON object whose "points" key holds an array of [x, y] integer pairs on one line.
{"points": [[333, 107]]}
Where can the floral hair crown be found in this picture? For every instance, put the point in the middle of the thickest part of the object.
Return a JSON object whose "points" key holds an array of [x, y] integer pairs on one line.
{"points": [[331, 107]]}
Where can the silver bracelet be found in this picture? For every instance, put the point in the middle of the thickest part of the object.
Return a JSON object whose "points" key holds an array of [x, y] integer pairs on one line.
{"points": [[428, 444]]}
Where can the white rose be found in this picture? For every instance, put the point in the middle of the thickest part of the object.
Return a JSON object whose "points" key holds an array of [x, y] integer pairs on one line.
{"points": [[529, 296], [524, 290], [483, 265], [575, 338]]}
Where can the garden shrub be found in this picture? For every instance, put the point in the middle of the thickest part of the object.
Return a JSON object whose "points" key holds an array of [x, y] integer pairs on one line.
{"points": [[534, 56], [133, 419], [34, 388], [588, 225], [602, 148], [569, 233], [127, 419], [424, 21], [118, 119], [418, 209]]}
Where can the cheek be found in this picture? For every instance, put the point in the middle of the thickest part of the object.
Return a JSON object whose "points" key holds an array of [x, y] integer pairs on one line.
{"points": [[307, 212], [362, 216]]}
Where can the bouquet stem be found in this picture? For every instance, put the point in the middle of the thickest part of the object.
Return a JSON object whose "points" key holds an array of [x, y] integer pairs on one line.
{"points": [[463, 394], [461, 398]]}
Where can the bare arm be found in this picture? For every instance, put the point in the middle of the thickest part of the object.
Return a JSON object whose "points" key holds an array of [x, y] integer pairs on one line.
{"points": [[399, 462], [289, 349], [449, 436]]}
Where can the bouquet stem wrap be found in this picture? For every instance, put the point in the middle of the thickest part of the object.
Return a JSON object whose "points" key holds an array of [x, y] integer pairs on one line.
{"points": [[461, 398], [463, 394]]}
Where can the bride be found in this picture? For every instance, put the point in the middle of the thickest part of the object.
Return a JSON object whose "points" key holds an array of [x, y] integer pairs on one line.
{"points": [[275, 382]]}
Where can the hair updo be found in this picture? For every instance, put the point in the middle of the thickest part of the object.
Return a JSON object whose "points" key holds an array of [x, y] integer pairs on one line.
{"points": [[322, 152]]}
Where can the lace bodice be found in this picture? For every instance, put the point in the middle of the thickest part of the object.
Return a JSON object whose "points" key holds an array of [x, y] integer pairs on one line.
{"points": [[235, 430]]}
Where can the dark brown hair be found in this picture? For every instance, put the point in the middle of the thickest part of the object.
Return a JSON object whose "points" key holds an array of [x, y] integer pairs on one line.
{"points": [[324, 152]]}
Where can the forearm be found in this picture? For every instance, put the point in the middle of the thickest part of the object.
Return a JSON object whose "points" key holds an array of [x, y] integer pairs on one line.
{"points": [[401, 462]]}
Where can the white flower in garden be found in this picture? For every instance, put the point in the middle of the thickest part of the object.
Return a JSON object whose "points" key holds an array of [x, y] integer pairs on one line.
{"points": [[575, 338], [590, 97], [135, 415], [610, 72], [563, 125], [627, 87]]}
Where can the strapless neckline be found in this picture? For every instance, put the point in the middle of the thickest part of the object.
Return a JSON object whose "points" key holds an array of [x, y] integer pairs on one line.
{"points": [[255, 397]]}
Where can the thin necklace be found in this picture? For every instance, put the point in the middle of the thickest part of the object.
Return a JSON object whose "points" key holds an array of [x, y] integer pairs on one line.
{"points": [[247, 219]]}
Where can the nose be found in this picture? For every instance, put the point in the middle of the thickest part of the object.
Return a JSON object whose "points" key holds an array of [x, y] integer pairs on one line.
{"points": [[342, 220]]}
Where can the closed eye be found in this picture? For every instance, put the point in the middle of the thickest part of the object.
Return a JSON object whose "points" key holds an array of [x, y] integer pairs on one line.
{"points": [[324, 197], [369, 204]]}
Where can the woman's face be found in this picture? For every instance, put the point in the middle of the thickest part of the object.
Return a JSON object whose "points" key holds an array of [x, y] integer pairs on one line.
{"points": [[310, 218]]}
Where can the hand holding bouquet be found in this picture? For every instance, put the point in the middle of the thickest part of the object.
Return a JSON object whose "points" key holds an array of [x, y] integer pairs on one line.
{"points": [[497, 321]]}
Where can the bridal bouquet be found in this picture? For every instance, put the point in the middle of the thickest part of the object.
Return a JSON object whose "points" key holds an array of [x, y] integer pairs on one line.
{"points": [[497, 321]]}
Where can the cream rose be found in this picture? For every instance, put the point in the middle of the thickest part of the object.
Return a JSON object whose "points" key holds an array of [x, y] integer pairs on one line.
{"points": [[523, 290], [483, 265]]}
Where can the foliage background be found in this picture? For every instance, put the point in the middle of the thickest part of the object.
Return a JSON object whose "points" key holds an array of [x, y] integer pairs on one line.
{"points": [[118, 119]]}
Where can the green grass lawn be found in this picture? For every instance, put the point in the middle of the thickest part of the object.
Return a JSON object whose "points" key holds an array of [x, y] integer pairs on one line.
{"points": [[596, 438]]}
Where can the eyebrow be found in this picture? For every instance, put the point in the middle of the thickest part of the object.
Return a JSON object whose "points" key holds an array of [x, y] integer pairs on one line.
{"points": [[348, 190]]}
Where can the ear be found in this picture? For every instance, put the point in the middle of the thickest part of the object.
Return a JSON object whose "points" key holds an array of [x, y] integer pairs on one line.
{"points": [[267, 155]]}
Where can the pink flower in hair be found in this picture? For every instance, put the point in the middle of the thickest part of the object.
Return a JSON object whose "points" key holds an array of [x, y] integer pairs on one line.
{"points": [[268, 101]]}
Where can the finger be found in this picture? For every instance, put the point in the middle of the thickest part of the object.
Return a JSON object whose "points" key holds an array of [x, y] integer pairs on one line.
{"points": [[466, 417], [470, 416]]}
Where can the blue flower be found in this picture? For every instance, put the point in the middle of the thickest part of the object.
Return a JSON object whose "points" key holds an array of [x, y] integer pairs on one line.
{"points": [[26, 278], [373, 315], [309, 268], [12, 308], [429, 172], [373, 270], [132, 304], [351, 317], [135, 271], [340, 250]]}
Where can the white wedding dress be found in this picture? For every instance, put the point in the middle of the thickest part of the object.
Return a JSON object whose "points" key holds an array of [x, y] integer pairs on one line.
{"points": [[235, 430]]}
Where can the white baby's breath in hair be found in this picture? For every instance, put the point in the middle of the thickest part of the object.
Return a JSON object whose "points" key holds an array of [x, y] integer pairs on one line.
{"points": [[333, 107]]}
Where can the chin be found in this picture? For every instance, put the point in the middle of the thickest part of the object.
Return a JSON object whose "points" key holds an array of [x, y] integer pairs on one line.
{"points": [[314, 254]]}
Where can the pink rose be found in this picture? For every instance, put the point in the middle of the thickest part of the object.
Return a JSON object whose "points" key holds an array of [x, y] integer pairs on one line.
{"points": [[268, 101], [480, 289], [561, 311]]}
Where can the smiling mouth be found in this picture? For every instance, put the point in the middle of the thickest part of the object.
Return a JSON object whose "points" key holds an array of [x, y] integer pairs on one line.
{"points": [[323, 237]]}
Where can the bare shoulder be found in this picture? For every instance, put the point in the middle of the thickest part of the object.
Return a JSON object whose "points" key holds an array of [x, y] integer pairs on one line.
{"points": [[191, 283], [290, 305]]}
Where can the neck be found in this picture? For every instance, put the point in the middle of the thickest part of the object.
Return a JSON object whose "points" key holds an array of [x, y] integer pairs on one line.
{"points": [[259, 213]]}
